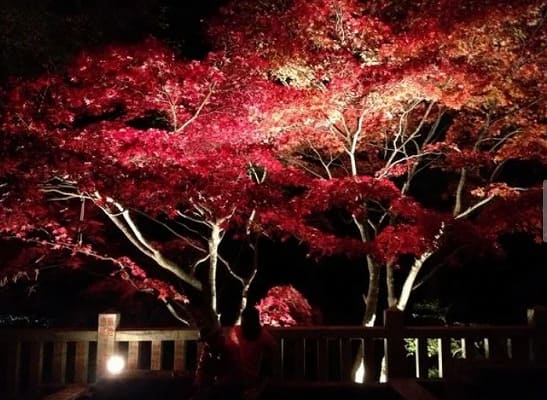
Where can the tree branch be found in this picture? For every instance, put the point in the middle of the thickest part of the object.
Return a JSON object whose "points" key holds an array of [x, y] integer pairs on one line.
{"points": [[474, 207], [198, 111]]}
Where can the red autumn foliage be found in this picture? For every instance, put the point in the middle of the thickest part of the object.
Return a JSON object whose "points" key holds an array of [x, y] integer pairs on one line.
{"points": [[311, 120], [285, 306]]}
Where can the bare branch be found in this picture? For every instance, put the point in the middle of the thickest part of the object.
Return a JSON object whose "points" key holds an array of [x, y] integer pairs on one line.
{"points": [[459, 190], [198, 111], [250, 221], [174, 312], [500, 141], [360, 227], [474, 207], [307, 169], [200, 261], [186, 227], [400, 136], [230, 270], [497, 170], [171, 230], [133, 234], [325, 164], [196, 220], [434, 270]]}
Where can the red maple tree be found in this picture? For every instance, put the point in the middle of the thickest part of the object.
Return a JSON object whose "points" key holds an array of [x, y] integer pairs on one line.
{"points": [[320, 120]]}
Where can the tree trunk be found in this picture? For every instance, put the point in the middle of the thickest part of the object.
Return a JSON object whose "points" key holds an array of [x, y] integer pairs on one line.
{"points": [[410, 279], [405, 295], [365, 368], [214, 242], [390, 283]]}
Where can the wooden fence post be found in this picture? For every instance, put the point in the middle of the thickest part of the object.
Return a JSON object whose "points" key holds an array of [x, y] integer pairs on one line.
{"points": [[537, 319], [394, 343], [106, 341]]}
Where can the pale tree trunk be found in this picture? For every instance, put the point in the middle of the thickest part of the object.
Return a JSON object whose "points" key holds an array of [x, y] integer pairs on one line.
{"points": [[364, 367], [410, 279], [390, 284], [214, 242], [402, 302], [408, 286], [244, 297], [247, 283]]}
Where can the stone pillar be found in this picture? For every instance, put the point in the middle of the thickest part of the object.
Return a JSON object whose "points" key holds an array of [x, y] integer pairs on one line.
{"points": [[537, 319], [106, 341]]}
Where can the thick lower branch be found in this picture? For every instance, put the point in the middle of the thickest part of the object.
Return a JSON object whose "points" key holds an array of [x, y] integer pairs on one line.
{"points": [[132, 233], [409, 281]]}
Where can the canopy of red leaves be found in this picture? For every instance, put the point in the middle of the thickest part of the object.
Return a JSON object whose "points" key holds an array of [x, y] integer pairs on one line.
{"points": [[303, 119]]}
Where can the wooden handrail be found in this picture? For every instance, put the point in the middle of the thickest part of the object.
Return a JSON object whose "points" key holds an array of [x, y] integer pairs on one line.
{"points": [[34, 357]]}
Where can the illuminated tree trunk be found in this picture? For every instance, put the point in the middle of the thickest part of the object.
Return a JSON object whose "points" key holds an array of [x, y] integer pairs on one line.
{"points": [[365, 368], [246, 283], [390, 283], [410, 279], [214, 242]]}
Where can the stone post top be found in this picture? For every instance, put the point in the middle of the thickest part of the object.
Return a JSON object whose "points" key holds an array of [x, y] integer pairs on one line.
{"points": [[537, 316], [110, 318]]}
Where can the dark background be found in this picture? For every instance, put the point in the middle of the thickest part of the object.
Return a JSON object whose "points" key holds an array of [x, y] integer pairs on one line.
{"points": [[41, 36]]}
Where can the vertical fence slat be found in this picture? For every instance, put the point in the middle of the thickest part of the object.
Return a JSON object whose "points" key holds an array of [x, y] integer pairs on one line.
{"points": [[299, 365], [422, 361], [520, 349], [445, 357], [346, 361], [155, 355], [81, 362], [59, 362], [36, 362], [179, 358], [369, 361], [13, 365], [486, 344], [278, 360], [468, 350], [132, 355], [498, 348], [322, 359]]}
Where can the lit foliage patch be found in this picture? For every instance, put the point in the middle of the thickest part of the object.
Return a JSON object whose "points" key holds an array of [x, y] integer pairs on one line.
{"points": [[284, 306]]}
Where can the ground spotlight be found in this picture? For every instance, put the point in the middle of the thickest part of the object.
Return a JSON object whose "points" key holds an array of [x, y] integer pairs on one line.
{"points": [[115, 364]]}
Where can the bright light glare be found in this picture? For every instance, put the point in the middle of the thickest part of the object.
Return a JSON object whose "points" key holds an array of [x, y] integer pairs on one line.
{"points": [[115, 364]]}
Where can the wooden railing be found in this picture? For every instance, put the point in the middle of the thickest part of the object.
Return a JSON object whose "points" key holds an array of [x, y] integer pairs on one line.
{"points": [[32, 359]]}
